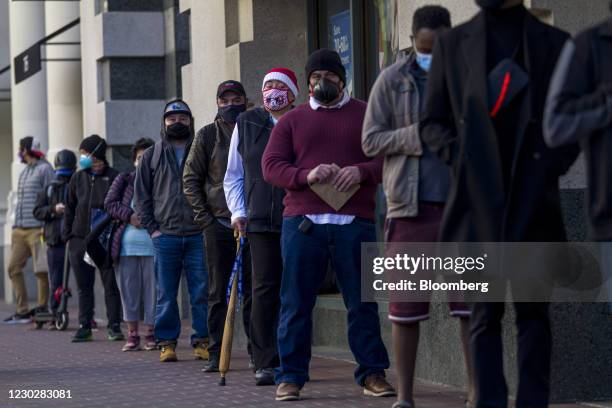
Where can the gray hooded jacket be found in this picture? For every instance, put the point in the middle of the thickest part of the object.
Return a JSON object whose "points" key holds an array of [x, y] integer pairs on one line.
{"points": [[159, 200]]}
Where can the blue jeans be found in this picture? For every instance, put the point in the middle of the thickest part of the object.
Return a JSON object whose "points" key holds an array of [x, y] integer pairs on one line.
{"points": [[305, 260], [173, 254]]}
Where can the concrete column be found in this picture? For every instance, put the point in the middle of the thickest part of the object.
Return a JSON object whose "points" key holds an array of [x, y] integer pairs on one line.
{"points": [[28, 102], [64, 93], [5, 126], [29, 98]]}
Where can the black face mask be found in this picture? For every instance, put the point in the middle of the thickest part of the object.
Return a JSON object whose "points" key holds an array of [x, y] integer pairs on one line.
{"points": [[178, 131], [326, 91], [230, 113], [490, 4]]}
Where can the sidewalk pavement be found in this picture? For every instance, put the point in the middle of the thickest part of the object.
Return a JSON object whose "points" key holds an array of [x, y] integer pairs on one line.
{"points": [[98, 374]]}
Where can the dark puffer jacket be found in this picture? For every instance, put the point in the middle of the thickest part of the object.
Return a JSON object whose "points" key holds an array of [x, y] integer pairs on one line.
{"points": [[118, 204]]}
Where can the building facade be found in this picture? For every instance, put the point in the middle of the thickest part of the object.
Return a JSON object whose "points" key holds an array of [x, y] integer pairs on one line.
{"points": [[107, 66]]}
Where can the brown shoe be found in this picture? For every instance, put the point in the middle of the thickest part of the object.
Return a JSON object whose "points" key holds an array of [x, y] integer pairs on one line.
{"points": [[288, 392], [375, 385], [200, 350], [167, 354]]}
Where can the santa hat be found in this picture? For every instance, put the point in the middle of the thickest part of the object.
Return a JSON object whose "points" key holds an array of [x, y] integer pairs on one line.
{"points": [[284, 75]]}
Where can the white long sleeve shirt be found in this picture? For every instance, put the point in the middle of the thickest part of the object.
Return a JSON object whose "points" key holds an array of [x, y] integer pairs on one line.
{"points": [[233, 182]]}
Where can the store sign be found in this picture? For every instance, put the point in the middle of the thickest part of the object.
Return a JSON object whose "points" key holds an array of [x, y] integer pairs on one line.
{"points": [[340, 25], [27, 63]]}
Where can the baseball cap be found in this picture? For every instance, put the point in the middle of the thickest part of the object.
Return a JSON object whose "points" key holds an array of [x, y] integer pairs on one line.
{"points": [[177, 106], [233, 86]]}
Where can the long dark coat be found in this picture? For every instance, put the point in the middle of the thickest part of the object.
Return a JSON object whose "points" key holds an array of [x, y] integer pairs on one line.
{"points": [[457, 127]]}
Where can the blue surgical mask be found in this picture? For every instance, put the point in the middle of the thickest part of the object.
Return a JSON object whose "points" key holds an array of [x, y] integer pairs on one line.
{"points": [[85, 162], [424, 60]]}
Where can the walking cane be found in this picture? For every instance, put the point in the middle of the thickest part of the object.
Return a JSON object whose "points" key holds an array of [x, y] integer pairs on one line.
{"points": [[228, 331]]}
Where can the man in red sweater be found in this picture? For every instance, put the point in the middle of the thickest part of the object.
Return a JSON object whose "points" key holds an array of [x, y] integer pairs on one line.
{"points": [[320, 142]]}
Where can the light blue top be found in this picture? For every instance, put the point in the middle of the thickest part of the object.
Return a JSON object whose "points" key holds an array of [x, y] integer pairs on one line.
{"points": [[136, 241], [179, 153]]}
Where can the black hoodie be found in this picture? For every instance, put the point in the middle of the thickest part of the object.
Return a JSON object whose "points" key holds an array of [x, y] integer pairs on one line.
{"points": [[86, 191], [158, 190], [54, 193]]}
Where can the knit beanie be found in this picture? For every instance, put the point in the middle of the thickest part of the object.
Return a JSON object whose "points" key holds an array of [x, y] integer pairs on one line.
{"points": [[284, 75], [325, 59], [94, 145]]}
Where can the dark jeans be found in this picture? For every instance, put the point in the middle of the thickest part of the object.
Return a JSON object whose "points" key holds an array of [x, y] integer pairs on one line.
{"points": [[85, 275], [534, 350], [267, 275], [220, 256], [173, 254], [305, 258], [55, 259]]}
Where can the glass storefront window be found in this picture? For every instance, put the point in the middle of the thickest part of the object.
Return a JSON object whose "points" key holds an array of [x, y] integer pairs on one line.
{"points": [[387, 32], [340, 39], [335, 32], [364, 32]]}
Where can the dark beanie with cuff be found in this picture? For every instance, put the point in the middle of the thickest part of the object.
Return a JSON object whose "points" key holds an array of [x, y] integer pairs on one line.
{"points": [[325, 59], [94, 145]]}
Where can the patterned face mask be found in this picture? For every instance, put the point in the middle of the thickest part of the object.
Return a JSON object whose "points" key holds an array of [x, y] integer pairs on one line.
{"points": [[275, 99]]}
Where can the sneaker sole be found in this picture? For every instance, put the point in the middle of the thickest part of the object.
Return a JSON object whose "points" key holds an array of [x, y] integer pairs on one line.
{"points": [[85, 340], [288, 398], [111, 338], [379, 394], [22, 321], [169, 360], [131, 349]]}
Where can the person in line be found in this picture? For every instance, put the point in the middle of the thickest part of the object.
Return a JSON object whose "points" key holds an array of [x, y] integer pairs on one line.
{"points": [[132, 254], [163, 210], [415, 181], [320, 142], [203, 186], [50, 207], [504, 185], [84, 211], [579, 110], [257, 208], [26, 236]]}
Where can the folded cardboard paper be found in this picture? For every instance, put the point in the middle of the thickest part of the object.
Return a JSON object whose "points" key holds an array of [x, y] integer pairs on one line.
{"points": [[334, 198]]}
